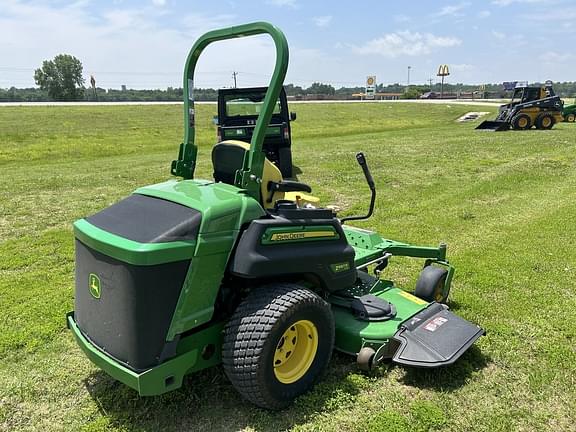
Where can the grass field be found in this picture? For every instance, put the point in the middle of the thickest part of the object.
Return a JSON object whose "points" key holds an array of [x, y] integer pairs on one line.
{"points": [[504, 202]]}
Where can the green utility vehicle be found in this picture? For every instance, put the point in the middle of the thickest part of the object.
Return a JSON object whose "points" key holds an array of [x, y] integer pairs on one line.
{"points": [[238, 111], [569, 113], [189, 273]]}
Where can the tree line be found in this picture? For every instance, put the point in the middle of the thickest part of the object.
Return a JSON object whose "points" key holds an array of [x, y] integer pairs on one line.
{"points": [[61, 79]]}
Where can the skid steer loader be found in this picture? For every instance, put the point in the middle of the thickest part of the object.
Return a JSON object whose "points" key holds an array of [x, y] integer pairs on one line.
{"points": [[536, 106]]}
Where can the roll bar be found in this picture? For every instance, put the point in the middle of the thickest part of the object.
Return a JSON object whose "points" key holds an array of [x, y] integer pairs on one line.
{"points": [[251, 174]]}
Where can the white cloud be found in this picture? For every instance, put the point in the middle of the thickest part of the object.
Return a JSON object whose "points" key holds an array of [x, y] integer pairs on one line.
{"points": [[464, 67], [322, 21], [484, 14], [159, 2], [509, 2], [282, 3], [402, 18], [452, 10], [552, 15], [125, 46], [405, 43], [554, 57], [498, 35], [200, 23]]}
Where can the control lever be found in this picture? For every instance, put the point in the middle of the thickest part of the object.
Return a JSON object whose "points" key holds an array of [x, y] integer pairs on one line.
{"points": [[361, 159]]}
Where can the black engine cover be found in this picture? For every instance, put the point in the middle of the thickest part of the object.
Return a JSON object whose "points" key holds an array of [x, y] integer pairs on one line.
{"points": [[253, 259]]}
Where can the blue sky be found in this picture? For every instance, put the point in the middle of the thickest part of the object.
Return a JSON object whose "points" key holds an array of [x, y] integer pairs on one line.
{"points": [[143, 44]]}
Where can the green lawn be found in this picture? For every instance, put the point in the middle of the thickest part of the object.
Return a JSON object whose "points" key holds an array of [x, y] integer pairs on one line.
{"points": [[504, 202]]}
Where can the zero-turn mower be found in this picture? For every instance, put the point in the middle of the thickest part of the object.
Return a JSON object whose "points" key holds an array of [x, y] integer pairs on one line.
{"points": [[536, 106], [187, 274]]}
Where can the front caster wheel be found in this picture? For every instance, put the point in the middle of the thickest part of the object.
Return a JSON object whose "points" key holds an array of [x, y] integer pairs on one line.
{"points": [[278, 343], [431, 284], [365, 359]]}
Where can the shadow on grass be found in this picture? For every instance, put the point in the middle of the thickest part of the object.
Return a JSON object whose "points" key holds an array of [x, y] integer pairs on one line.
{"points": [[207, 401], [451, 377], [295, 171], [453, 305]]}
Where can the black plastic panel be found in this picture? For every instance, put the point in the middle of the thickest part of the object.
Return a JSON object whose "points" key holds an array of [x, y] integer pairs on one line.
{"points": [[252, 259], [147, 219], [131, 318], [434, 337]]}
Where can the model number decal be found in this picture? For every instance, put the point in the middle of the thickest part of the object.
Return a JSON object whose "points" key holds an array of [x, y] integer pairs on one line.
{"points": [[340, 267]]}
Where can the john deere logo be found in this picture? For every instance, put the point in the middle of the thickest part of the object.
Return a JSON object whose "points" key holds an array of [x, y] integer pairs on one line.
{"points": [[284, 236], [94, 285]]}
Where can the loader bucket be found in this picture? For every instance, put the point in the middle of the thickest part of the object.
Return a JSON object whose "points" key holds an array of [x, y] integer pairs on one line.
{"points": [[493, 126]]}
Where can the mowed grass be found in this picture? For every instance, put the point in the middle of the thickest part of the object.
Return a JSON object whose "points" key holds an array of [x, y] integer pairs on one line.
{"points": [[504, 202]]}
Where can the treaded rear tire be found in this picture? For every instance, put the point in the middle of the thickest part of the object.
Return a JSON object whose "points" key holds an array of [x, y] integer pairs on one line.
{"points": [[541, 120], [516, 121], [252, 335]]}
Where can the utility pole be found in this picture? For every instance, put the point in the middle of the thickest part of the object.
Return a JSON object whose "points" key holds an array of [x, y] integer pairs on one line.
{"points": [[430, 82], [234, 74], [408, 81], [93, 85]]}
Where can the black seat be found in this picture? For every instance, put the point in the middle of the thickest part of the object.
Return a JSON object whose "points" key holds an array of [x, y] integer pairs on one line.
{"points": [[227, 158]]}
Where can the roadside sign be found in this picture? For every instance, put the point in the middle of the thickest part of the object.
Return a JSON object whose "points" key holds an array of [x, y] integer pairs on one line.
{"points": [[370, 87]]}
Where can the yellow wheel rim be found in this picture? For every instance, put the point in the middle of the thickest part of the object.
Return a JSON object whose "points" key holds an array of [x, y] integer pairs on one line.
{"points": [[546, 121], [295, 351], [522, 122], [439, 294]]}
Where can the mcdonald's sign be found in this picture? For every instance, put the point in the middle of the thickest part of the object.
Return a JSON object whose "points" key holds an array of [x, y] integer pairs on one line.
{"points": [[443, 70]]}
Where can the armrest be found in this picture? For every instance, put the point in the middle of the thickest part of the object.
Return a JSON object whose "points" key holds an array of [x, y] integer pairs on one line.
{"points": [[286, 186]]}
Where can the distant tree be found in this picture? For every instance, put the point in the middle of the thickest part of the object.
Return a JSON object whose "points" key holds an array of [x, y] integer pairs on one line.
{"points": [[320, 88], [61, 78], [412, 93], [292, 90]]}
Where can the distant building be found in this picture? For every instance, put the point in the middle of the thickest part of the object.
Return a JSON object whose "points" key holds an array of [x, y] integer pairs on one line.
{"points": [[379, 96], [123, 87]]}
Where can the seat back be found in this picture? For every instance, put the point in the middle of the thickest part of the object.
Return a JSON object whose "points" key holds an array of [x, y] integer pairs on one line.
{"points": [[228, 157]]}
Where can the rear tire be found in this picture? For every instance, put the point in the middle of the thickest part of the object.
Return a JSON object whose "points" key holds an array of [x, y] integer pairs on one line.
{"points": [[545, 121], [285, 161], [521, 122], [571, 118], [430, 284], [277, 344]]}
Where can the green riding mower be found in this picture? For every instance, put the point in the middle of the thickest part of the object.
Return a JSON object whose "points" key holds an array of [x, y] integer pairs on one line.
{"points": [[569, 113], [241, 270]]}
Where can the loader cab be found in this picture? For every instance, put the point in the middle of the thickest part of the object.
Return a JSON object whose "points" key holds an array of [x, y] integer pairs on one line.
{"points": [[526, 94]]}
